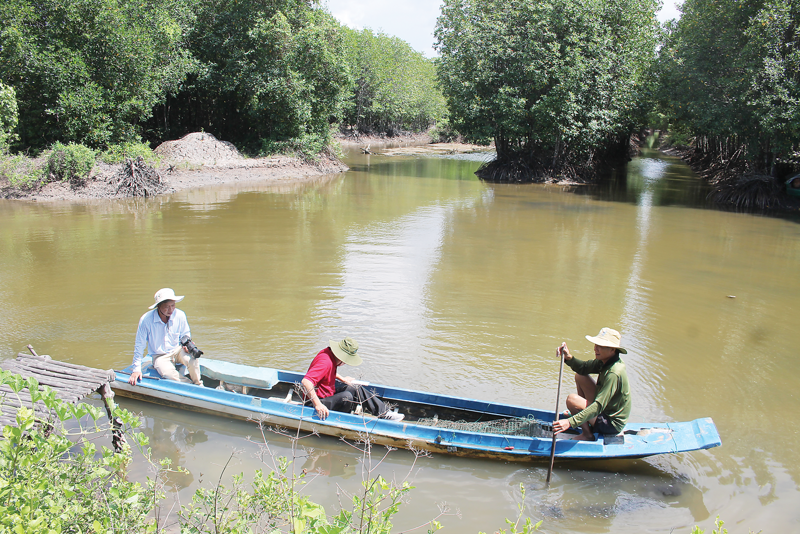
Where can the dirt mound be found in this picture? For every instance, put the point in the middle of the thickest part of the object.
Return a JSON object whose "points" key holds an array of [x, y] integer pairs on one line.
{"points": [[197, 160], [199, 148]]}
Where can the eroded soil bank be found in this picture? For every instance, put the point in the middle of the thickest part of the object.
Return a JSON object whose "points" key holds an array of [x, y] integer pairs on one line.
{"points": [[194, 161]]}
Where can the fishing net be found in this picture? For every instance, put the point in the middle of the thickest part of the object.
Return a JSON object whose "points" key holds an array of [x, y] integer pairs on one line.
{"points": [[515, 426]]}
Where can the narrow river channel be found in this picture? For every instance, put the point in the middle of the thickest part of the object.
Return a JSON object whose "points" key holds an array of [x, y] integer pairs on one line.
{"points": [[455, 286]]}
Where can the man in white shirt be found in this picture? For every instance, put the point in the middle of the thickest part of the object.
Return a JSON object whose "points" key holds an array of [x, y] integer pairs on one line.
{"points": [[160, 332]]}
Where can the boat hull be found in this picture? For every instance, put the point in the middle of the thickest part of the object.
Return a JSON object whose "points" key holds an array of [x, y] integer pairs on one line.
{"points": [[639, 440]]}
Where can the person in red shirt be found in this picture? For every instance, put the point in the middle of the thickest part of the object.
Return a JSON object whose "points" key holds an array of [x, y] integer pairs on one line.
{"points": [[326, 390]]}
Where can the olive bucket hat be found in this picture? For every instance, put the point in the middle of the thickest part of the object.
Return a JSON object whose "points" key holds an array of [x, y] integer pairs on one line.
{"points": [[608, 337], [165, 294], [346, 350]]}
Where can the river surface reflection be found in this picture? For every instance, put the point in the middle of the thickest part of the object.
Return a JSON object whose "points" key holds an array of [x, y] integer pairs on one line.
{"points": [[456, 286]]}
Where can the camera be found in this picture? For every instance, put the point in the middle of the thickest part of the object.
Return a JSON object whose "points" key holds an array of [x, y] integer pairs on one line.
{"points": [[187, 342]]}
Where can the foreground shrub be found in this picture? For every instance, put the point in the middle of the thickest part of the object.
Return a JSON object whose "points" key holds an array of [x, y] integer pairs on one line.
{"points": [[72, 162], [20, 171], [55, 479], [717, 523]]}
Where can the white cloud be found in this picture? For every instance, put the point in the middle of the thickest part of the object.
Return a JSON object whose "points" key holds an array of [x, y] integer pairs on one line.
{"points": [[414, 20]]}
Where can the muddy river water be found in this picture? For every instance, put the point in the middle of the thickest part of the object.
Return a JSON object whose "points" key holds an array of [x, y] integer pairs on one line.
{"points": [[456, 286]]}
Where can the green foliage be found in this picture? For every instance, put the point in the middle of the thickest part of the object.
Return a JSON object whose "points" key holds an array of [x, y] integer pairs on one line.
{"points": [[307, 146], [529, 525], [274, 502], [729, 75], [270, 70], [271, 504], [58, 480], [394, 87], [20, 171], [443, 132], [373, 510], [90, 71], [9, 115], [72, 162], [773, 48], [678, 135], [717, 523], [559, 82], [132, 150], [703, 69], [265, 75], [54, 478]]}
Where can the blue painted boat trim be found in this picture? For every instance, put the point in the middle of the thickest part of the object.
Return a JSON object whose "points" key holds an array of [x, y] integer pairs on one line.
{"points": [[640, 439]]}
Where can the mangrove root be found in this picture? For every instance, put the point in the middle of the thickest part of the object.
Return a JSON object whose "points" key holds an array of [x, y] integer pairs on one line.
{"points": [[526, 169], [137, 179], [753, 192]]}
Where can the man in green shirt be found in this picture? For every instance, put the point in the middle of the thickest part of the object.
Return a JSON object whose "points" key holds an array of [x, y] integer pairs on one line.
{"points": [[603, 406]]}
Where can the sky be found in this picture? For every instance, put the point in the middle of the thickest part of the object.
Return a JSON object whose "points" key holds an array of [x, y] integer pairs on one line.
{"points": [[414, 20]]}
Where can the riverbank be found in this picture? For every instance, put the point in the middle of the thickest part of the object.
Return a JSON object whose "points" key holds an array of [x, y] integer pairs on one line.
{"points": [[373, 141], [194, 161], [103, 182], [734, 186], [200, 160]]}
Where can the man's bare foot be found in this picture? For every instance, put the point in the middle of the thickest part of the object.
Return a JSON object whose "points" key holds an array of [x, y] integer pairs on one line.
{"points": [[583, 437]]}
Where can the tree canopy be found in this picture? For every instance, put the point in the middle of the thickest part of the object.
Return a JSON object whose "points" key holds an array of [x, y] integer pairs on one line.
{"points": [[394, 87], [558, 85], [270, 70], [730, 76], [104, 72], [91, 70], [8, 114]]}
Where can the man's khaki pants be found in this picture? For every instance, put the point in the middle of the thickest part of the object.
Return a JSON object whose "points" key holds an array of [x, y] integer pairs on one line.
{"points": [[165, 365]]}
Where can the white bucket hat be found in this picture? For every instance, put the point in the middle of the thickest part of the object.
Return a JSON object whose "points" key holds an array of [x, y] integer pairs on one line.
{"points": [[165, 294], [346, 350], [608, 337]]}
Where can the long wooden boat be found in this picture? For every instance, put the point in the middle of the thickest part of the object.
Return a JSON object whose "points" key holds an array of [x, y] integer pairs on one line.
{"points": [[435, 423]]}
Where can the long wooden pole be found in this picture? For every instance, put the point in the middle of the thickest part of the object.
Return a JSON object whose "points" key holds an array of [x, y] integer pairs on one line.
{"points": [[558, 397]]}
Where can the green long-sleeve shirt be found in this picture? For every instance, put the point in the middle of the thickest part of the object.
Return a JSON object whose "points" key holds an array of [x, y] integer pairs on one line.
{"points": [[613, 392]]}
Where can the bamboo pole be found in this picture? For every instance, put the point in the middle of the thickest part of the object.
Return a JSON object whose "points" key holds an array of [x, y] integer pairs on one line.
{"points": [[558, 397]]}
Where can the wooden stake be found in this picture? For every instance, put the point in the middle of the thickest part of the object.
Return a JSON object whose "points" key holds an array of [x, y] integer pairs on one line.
{"points": [[558, 397]]}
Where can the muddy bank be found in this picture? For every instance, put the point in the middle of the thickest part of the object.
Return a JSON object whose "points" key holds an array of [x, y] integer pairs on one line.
{"points": [[734, 186], [197, 160], [419, 144], [355, 140]]}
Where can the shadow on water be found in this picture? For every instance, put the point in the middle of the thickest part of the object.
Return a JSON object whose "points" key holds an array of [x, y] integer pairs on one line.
{"points": [[657, 179], [606, 491], [654, 178]]}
